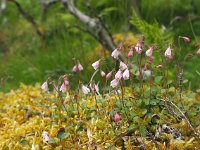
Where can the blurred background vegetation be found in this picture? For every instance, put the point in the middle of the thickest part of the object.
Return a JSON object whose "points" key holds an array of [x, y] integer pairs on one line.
{"points": [[26, 57]]}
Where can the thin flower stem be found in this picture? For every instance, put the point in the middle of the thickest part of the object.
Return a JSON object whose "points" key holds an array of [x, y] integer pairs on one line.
{"points": [[104, 90], [140, 73], [122, 99], [60, 97], [97, 109], [192, 29], [76, 100]]}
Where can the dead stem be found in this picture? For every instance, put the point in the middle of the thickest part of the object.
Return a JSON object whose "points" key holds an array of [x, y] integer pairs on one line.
{"points": [[167, 100]]}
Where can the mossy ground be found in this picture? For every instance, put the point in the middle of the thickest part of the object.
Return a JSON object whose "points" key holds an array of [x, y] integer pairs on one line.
{"points": [[27, 112]]}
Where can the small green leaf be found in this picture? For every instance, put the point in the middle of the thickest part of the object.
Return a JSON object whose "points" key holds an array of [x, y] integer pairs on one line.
{"points": [[169, 82], [52, 140], [68, 127], [144, 111], [92, 109], [143, 130], [146, 101], [118, 103], [84, 105], [109, 9], [172, 89], [154, 101], [132, 113], [158, 79], [198, 72], [63, 135], [162, 91], [132, 127], [128, 103], [24, 142]]}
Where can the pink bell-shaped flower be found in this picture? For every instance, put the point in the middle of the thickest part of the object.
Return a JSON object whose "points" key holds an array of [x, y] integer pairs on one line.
{"points": [[108, 76], [85, 89], [117, 117], [96, 64], [126, 74], [45, 86], [115, 53]]}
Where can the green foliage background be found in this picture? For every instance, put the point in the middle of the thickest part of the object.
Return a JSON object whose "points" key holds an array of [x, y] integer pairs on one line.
{"points": [[27, 58]]}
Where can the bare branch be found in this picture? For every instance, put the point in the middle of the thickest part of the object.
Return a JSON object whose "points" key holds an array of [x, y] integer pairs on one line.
{"points": [[94, 24], [170, 102], [45, 4], [69, 4]]}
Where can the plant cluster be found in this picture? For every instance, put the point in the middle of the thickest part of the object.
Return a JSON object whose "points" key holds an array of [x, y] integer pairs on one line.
{"points": [[133, 106]]}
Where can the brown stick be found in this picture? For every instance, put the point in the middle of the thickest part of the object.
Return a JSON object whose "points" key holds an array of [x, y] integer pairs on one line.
{"points": [[167, 100], [94, 24]]}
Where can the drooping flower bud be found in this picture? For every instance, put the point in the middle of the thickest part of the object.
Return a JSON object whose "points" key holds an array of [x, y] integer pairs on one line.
{"points": [[122, 66], [118, 75], [85, 89], [168, 53], [45, 86], [198, 52], [75, 68], [130, 54], [80, 67], [95, 88], [96, 64], [185, 39], [102, 73], [145, 68], [108, 76], [159, 66], [149, 52], [114, 83], [138, 48], [115, 53], [63, 88], [117, 117], [126, 74]]}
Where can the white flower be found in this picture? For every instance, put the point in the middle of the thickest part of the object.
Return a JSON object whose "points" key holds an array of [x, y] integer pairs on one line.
{"points": [[126, 74], [77, 67], [80, 67], [95, 88], [118, 75], [85, 89], [114, 83], [115, 53], [102, 73], [45, 136], [45, 86], [95, 65], [138, 48], [63, 88], [119, 91], [168, 52], [122, 66], [149, 52]]}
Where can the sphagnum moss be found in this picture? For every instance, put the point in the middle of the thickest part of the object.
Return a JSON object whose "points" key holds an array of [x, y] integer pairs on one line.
{"points": [[27, 112]]}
